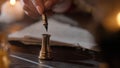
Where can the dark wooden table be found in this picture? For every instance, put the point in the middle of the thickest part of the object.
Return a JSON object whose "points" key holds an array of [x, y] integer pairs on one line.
{"points": [[26, 56]]}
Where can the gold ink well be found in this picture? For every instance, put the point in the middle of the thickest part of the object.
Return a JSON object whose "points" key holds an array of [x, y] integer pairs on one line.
{"points": [[45, 52]]}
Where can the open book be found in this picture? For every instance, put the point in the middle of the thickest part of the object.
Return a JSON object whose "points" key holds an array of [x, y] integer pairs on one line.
{"points": [[60, 32]]}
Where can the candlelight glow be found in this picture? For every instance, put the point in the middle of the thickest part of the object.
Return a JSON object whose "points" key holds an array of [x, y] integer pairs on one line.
{"points": [[118, 18], [12, 2]]}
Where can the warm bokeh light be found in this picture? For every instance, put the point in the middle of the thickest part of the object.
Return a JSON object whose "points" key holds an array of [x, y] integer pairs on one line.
{"points": [[118, 18], [12, 2]]}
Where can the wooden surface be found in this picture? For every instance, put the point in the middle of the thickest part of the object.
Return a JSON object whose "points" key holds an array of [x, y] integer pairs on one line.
{"points": [[64, 57]]}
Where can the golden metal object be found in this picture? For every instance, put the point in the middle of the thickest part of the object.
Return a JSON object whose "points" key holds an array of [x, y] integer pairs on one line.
{"points": [[45, 22], [45, 52]]}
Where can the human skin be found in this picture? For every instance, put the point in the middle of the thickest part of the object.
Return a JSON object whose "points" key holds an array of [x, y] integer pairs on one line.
{"points": [[35, 8]]}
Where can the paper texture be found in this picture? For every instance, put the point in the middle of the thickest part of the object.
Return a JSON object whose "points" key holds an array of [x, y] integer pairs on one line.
{"points": [[59, 32]]}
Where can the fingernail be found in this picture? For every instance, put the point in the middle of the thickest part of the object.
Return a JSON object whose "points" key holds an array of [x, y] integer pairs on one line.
{"points": [[26, 12], [40, 10]]}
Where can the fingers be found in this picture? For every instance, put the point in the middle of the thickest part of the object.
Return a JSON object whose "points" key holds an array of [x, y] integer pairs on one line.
{"points": [[30, 9], [39, 4], [43, 5], [31, 13], [49, 4], [33, 7]]}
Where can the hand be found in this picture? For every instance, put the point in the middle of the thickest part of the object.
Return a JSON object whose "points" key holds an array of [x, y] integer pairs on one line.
{"points": [[35, 8]]}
